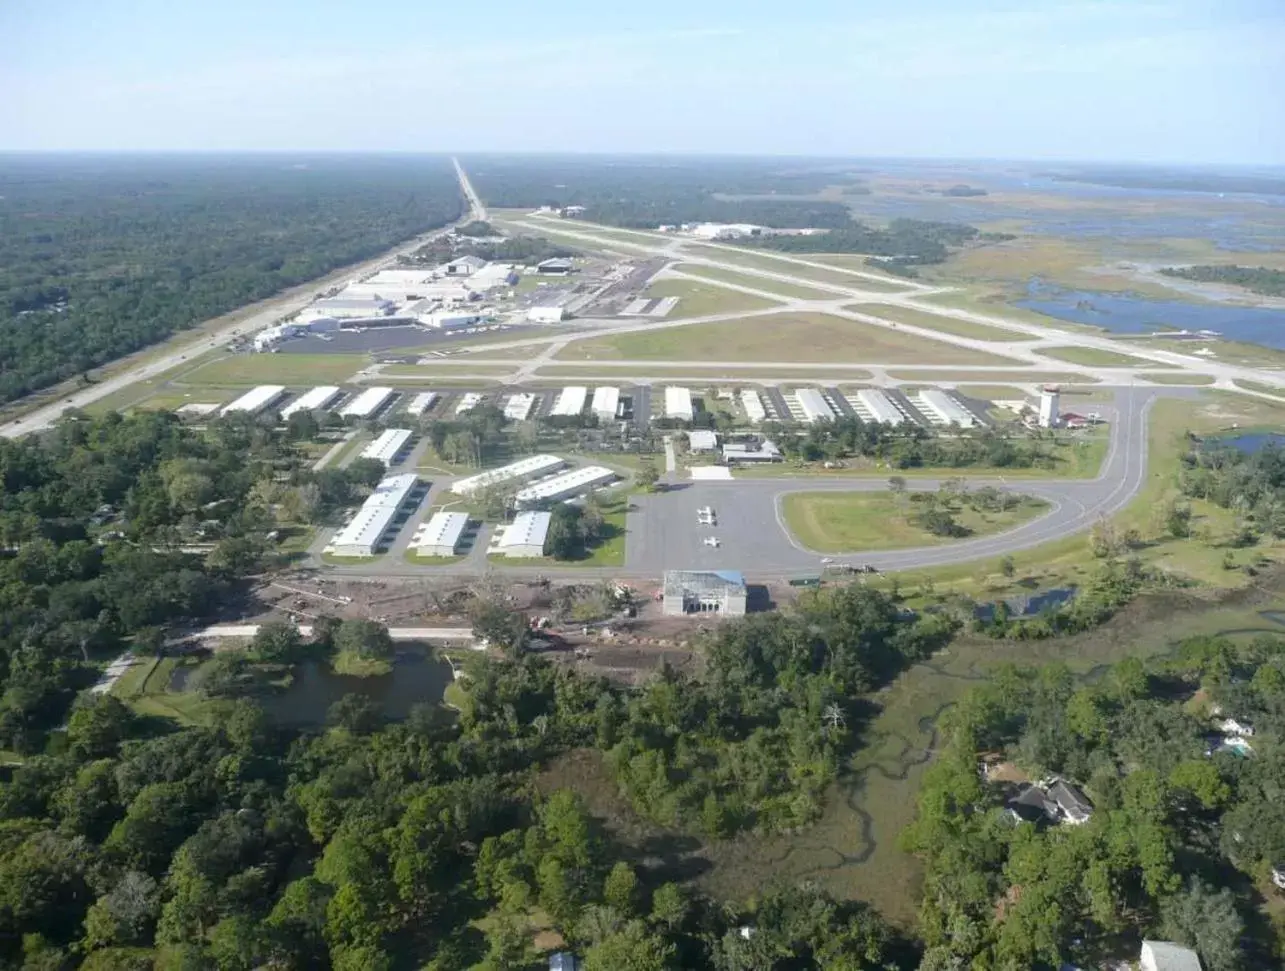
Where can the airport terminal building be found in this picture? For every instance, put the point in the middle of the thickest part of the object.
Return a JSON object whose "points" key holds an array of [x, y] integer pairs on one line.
{"points": [[687, 592]]}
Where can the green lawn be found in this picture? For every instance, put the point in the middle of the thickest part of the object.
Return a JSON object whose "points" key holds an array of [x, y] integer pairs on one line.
{"points": [[763, 260], [785, 337], [703, 299], [295, 370], [757, 282], [849, 522], [1192, 379], [1094, 357], [986, 377], [947, 325], [610, 552]]}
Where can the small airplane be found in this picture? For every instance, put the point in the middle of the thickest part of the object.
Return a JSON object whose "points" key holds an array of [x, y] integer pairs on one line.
{"points": [[711, 541]]}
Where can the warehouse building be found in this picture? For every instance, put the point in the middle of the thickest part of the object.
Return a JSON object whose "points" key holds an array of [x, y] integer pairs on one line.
{"points": [[367, 404], [753, 406], [375, 520], [255, 400], [880, 406], [420, 403], [515, 473], [556, 266], [703, 592], [468, 402], [570, 401], [702, 440], [525, 536], [464, 265], [606, 403], [574, 482], [678, 403], [389, 446], [945, 409], [441, 535], [813, 405], [519, 406], [546, 315], [316, 399], [350, 306], [764, 451]]}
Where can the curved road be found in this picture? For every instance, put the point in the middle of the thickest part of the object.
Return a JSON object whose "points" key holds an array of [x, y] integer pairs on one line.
{"points": [[663, 533]]}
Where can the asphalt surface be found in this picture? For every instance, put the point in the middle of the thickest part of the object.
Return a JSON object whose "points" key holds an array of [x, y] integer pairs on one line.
{"points": [[663, 533]]}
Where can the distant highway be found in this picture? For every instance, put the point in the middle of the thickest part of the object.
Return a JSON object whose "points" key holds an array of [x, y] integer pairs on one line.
{"points": [[268, 313]]}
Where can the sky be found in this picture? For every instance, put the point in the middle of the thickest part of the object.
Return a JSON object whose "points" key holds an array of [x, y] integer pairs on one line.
{"points": [[1178, 81]]}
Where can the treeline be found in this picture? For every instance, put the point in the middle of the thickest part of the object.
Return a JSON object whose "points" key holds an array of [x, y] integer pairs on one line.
{"points": [[1251, 484], [1184, 828], [101, 256], [904, 244], [1258, 279], [912, 446], [1173, 180], [642, 193]]}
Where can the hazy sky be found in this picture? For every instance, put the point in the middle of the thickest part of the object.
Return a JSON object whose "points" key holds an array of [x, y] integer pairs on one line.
{"points": [[1175, 80]]}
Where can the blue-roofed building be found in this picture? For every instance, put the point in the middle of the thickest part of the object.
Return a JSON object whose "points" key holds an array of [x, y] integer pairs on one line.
{"points": [[704, 592]]}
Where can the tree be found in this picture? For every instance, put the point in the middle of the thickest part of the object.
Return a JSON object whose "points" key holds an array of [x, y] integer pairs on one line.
{"points": [[1200, 917], [632, 948], [496, 625], [647, 475], [897, 484], [356, 714], [669, 906], [277, 640], [621, 888], [366, 639], [365, 472], [125, 914], [1007, 567], [97, 726]]}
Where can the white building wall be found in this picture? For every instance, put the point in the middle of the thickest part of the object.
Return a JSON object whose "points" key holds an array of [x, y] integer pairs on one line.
{"points": [[678, 403], [880, 406], [388, 445], [256, 399], [946, 408], [570, 401], [606, 403], [517, 472], [313, 400], [421, 403], [367, 403], [518, 407], [564, 486], [753, 406], [814, 405], [1049, 409]]}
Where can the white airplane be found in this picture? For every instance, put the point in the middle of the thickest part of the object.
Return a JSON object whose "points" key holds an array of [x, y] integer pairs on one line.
{"points": [[711, 541]]}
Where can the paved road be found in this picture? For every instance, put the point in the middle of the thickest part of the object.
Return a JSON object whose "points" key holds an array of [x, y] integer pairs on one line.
{"points": [[268, 312], [396, 633], [663, 533]]}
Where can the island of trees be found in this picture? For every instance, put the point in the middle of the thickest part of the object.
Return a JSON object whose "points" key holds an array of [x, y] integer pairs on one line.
{"points": [[1257, 279], [100, 256]]}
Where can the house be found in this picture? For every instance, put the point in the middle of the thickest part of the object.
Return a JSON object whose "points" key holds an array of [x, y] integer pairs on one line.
{"points": [[1237, 727], [702, 440], [563, 961], [464, 265], [1278, 875], [1167, 956], [554, 266], [1032, 805], [1071, 802]]}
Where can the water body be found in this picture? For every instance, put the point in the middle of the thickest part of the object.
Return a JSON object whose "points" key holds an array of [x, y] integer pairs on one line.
{"points": [[1250, 442], [1123, 313]]}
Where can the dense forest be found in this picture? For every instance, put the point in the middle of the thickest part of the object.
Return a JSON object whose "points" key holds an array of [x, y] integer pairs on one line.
{"points": [[100, 256], [643, 193], [1258, 279], [1181, 763]]}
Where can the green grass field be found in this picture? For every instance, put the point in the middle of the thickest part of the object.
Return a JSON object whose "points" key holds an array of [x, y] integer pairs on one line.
{"points": [[725, 375], [1190, 379], [778, 287], [703, 299], [851, 522], [1094, 357], [294, 370], [763, 260], [984, 377], [1259, 387], [947, 325], [785, 338]]}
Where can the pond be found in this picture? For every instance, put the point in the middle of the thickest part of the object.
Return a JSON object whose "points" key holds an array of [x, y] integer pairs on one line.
{"points": [[1249, 442], [1128, 314], [418, 677]]}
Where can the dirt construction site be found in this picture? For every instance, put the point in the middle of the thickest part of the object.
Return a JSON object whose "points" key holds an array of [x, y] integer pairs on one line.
{"points": [[602, 628]]}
